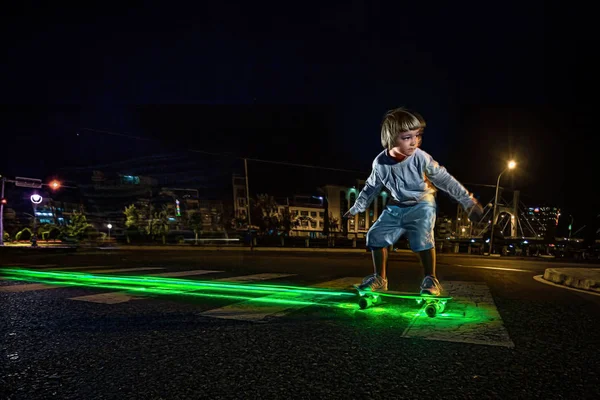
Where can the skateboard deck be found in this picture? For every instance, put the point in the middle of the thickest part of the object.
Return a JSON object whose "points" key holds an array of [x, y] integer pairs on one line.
{"points": [[433, 304]]}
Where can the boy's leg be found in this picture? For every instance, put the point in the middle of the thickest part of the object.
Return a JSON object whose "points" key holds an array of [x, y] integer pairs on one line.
{"points": [[384, 233], [427, 258], [380, 257], [420, 221]]}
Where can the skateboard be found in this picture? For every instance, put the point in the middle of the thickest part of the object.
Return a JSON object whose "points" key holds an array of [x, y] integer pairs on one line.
{"points": [[433, 304]]}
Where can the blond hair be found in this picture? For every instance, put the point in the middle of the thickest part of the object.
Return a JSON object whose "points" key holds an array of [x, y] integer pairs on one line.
{"points": [[397, 121]]}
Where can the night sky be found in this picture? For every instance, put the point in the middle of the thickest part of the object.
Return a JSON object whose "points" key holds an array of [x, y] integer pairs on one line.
{"points": [[307, 83]]}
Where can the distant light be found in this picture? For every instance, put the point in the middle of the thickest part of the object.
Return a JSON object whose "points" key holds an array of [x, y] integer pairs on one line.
{"points": [[109, 226], [36, 198], [511, 164], [55, 184], [472, 240]]}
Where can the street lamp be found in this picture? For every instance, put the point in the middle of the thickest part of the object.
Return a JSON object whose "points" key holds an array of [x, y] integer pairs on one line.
{"points": [[109, 226], [511, 165], [35, 200]]}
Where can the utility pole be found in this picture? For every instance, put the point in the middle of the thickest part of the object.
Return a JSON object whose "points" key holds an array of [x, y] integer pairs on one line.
{"points": [[247, 192]]}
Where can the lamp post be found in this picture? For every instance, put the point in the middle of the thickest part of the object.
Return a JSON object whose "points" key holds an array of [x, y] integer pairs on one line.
{"points": [[35, 200], [511, 165], [109, 226]]}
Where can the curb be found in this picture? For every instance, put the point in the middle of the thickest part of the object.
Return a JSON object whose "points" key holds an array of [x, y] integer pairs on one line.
{"points": [[578, 278], [540, 279]]}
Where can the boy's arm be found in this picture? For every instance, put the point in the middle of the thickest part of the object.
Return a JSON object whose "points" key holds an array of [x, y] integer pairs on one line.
{"points": [[446, 182], [372, 188]]}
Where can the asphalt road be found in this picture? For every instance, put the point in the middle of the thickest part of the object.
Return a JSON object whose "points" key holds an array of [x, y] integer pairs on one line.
{"points": [[505, 336]]}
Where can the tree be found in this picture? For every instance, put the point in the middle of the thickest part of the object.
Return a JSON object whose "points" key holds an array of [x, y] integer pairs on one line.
{"points": [[195, 223], [264, 213], [286, 221], [157, 224], [77, 227], [133, 220], [334, 223], [326, 221]]}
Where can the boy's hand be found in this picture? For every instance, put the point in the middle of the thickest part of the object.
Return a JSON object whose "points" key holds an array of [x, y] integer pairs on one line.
{"points": [[475, 213]]}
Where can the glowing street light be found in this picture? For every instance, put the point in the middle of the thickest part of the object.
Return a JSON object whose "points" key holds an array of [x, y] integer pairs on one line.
{"points": [[36, 199], [511, 165], [109, 226], [55, 184]]}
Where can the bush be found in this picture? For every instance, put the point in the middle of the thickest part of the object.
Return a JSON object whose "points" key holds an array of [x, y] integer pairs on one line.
{"points": [[24, 234]]}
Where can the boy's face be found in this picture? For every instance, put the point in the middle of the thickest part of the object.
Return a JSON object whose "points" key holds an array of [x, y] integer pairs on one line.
{"points": [[408, 142]]}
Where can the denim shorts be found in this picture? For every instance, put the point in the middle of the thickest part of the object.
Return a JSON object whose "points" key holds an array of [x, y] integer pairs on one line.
{"points": [[415, 222]]}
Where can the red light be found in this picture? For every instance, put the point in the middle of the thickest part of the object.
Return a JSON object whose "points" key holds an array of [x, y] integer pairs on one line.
{"points": [[55, 185], [3, 201]]}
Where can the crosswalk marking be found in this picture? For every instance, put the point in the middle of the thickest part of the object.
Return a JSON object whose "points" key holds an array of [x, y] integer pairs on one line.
{"points": [[472, 318], [101, 271], [25, 288], [121, 297], [254, 278], [75, 268], [185, 273], [254, 311]]}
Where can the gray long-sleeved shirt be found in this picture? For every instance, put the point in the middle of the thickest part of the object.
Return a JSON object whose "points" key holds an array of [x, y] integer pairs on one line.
{"points": [[410, 181]]}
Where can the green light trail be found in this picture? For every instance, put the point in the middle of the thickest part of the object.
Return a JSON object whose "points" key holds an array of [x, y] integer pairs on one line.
{"points": [[166, 291], [173, 283]]}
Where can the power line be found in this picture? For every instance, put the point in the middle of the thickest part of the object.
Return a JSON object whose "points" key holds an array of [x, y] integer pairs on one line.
{"points": [[129, 136]]}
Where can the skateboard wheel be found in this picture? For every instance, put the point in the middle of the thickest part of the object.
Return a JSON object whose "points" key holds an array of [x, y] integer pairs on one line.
{"points": [[430, 310], [364, 303]]}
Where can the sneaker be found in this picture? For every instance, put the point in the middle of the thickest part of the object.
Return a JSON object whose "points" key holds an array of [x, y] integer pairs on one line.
{"points": [[374, 283], [431, 286]]}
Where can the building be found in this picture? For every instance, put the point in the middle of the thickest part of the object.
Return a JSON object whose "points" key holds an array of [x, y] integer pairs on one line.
{"points": [[342, 198], [308, 211], [541, 220]]}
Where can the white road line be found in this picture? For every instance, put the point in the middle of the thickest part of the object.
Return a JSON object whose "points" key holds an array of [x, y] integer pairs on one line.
{"points": [[470, 317], [494, 268], [254, 311]]}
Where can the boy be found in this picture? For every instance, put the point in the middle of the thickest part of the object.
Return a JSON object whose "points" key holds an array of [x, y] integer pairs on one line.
{"points": [[409, 174]]}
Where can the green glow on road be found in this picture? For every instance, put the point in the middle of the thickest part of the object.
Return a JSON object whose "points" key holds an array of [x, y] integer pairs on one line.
{"points": [[284, 300], [267, 294], [173, 283], [410, 296]]}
